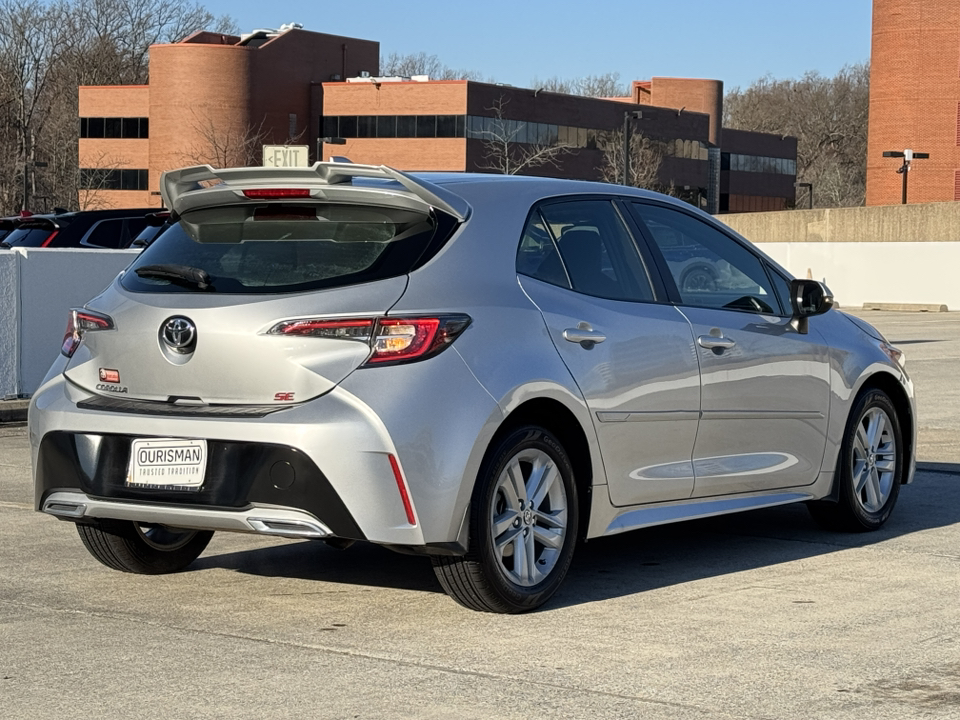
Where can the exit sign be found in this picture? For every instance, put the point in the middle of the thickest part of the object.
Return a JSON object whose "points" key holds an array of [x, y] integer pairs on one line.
{"points": [[286, 156]]}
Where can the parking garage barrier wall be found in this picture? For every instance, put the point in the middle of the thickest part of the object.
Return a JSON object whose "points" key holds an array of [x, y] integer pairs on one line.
{"points": [[37, 288], [893, 254]]}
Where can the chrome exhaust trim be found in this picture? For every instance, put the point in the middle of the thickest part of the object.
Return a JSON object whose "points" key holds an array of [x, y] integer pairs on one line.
{"points": [[269, 520]]}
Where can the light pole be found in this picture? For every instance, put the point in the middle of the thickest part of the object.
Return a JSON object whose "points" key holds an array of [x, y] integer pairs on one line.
{"points": [[809, 187], [908, 156], [328, 141], [627, 125]]}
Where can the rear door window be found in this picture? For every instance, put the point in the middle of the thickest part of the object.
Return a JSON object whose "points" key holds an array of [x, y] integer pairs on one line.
{"points": [[276, 248], [585, 245], [108, 234]]}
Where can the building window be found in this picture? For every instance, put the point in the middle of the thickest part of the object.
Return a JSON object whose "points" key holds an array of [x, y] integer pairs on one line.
{"points": [[114, 128], [474, 127], [104, 179], [387, 126], [758, 163]]}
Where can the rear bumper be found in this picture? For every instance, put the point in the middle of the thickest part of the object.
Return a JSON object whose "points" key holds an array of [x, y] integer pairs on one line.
{"points": [[83, 475], [433, 417]]}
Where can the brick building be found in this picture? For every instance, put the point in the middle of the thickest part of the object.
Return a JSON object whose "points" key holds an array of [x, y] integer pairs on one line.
{"points": [[295, 86], [914, 100]]}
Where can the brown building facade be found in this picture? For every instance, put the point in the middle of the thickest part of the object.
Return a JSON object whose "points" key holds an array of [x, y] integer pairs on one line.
{"points": [[217, 99], [211, 99], [914, 100]]}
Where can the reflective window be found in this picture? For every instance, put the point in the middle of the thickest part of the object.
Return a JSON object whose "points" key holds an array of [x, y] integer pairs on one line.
{"points": [[114, 128], [537, 255], [366, 126], [406, 126], [387, 126], [103, 179], [348, 126], [710, 268], [598, 253], [426, 126], [757, 163]]}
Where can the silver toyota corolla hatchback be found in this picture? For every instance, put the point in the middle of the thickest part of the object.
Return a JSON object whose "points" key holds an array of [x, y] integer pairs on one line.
{"points": [[482, 369]]}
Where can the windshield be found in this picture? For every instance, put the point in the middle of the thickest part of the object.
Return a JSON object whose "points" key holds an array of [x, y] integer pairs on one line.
{"points": [[276, 248]]}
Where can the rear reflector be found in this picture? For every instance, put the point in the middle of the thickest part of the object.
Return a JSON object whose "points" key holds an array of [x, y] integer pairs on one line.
{"points": [[402, 487], [274, 193]]}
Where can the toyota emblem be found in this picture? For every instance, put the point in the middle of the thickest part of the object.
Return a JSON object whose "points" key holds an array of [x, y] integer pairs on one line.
{"points": [[179, 334]]}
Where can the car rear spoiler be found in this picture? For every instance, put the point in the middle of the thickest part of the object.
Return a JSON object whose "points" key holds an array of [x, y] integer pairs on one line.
{"points": [[203, 186]]}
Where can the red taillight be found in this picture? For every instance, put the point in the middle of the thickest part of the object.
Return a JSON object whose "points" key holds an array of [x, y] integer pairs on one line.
{"points": [[402, 487], [50, 237], [275, 193], [404, 338], [392, 340], [344, 329], [80, 322]]}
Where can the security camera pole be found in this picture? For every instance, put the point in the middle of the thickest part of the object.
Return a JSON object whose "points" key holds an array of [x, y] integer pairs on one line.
{"points": [[908, 156], [328, 141]]}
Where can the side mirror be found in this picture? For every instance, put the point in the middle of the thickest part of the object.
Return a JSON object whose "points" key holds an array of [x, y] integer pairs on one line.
{"points": [[808, 298]]}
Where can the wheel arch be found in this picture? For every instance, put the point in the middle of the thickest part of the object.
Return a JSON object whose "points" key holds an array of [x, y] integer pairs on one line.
{"points": [[556, 417], [901, 402]]}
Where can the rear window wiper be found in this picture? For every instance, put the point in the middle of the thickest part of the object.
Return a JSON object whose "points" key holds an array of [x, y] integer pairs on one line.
{"points": [[5, 244], [181, 274]]}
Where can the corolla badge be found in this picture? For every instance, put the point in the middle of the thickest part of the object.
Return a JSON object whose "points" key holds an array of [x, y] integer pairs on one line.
{"points": [[179, 334]]}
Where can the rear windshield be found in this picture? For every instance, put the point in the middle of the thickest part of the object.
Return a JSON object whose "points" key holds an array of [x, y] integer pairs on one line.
{"points": [[28, 236], [277, 248]]}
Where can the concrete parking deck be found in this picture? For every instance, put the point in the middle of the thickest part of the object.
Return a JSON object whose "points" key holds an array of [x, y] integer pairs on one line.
{"points": [[761, 615]]}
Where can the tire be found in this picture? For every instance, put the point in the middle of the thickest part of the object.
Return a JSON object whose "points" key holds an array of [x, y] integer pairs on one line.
{"points": [[869, 470], [147, 550], [698, 279], [520, 551]]}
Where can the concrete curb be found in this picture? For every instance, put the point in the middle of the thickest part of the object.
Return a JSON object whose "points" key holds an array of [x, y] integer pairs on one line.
{"points": [[906, 307], [13, 410]]}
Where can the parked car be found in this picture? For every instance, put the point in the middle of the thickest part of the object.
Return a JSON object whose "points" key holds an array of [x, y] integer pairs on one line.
{"points": [[481, 369], [7, 225], [88, 228], [157, 224]]}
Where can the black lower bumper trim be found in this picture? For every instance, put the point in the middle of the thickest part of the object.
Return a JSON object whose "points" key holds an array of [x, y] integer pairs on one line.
{"points": [[238, 474]]}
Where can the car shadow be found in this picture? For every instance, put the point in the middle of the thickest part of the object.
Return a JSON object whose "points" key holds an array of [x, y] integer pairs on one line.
{"points": [[632, 562]]}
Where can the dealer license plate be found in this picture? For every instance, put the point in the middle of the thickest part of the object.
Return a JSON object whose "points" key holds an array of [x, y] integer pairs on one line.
{"points": [[167, 464]]}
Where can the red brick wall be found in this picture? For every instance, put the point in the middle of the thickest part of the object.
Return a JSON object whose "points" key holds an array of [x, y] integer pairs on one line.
{"points": [[914, 97]]}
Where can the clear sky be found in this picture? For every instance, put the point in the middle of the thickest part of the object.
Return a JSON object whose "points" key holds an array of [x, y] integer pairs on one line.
{"points": [[514, 41]]}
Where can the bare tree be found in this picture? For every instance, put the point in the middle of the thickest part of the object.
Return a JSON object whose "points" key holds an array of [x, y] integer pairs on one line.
{"points": [[504, 154], [422, 63], [50, 47], [30, 48], [93, 183], [605, 85], [646, 159], [827, 115], [229, 146]]}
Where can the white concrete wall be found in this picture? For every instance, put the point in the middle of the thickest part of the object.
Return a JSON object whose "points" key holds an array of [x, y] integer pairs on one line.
{"points": [[9, 323], [888, 272], [48, 283]]}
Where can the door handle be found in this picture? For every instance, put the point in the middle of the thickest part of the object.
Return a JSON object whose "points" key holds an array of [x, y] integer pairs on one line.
{"points": [[584, 335], [711, 342]]}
